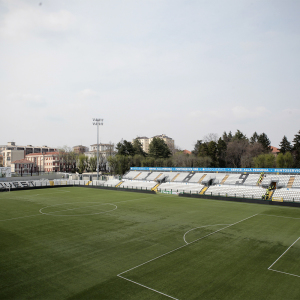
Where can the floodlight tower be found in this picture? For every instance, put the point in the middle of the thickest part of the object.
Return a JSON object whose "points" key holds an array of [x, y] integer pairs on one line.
{"points": [[97, 122]]}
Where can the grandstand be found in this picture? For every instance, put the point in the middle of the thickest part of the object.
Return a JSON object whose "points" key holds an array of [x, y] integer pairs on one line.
{"points": [[282, 185]]}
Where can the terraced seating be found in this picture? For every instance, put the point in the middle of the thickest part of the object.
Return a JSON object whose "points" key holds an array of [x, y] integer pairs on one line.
{"points": [[98, 182], [143, 176], [181, 177], [282, 179], [169, 175], [196, 177], [236, 191], [181, 187], [287, 194], [233, 179], [112, 182], [296, 182], [153, 175], [252, 179], [131, 174], [137, 184], [218, 177]]}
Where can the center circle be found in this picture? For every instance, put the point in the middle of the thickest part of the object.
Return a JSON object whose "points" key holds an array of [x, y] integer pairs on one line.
{"points": [[77, 209]]}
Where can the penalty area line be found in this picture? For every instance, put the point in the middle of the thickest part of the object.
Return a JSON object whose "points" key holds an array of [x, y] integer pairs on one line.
{"points": [[147, 287], [270, 268], [119, 275]]}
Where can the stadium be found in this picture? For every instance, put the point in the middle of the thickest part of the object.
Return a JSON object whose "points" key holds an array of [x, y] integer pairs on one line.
{"points": [[155, 233]]}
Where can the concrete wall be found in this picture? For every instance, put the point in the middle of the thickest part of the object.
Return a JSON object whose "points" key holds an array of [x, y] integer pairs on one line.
{"points": [[26, 178]]}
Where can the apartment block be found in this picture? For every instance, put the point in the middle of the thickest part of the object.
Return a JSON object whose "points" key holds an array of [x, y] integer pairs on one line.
{"points": [[46, 162], [146, 141]]}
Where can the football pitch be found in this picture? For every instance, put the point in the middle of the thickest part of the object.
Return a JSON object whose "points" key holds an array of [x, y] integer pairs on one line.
{"points": [[81, 243]]}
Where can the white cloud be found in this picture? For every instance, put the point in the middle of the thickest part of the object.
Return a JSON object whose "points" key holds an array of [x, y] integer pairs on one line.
{"points": [[87, 93], [28, 100], [241, 112], [25, 21]]}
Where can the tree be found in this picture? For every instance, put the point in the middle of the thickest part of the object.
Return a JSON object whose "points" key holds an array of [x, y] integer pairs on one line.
{"points": [[285, 145], [197, 147], [113, 164], [288, 159], [284, 160], [93, 163], [210, 137], [252, 150], [265, 142], [159, 149], [212, 151], [222, 148], [266, 160], [239, 136], [125, 148], [235, 150], [280, 160], [296, 149], [67, 159], [83, 163], [138, 147], [227, 137], [254, 138]]}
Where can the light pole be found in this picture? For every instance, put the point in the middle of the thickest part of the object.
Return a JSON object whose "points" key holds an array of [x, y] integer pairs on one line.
{"points": [[97, 122]]}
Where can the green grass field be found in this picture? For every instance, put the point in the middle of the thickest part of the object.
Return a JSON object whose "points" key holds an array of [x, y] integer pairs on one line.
{"points": [[79, 243]]}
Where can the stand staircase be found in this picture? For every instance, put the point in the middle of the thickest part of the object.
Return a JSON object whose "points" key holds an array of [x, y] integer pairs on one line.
{"points": [[224, 179], [175, 177], [202, 178], [203, 190], [291, 181]]}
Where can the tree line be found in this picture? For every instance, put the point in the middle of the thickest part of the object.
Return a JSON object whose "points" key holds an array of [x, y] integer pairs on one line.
{"points": [[228, 151]]}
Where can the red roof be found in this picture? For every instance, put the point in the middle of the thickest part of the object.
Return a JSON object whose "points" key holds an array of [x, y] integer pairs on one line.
{"points": [[187, 152], [275, 150], [22, 161]]}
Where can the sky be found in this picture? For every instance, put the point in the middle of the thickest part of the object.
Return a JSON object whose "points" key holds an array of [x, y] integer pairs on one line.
{"points": [[148, 67]]}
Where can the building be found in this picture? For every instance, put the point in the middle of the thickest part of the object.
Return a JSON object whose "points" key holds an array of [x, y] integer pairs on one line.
{"points": [[23, 166], [169, 141], [1, 160], [47, 162], [187, 152], [80, 149], [9, 156], [146, 142], [274, 150], [105, 150]]}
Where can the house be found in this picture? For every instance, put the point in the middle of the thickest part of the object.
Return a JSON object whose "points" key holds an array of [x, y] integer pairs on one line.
{"points": [[105, 150], [274, 150], [12, 152], [47, 162], [23, 166], [80, 149]]}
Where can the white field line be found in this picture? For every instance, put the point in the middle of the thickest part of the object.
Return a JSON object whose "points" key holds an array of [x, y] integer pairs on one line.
{"points": [[147, 287], [132, 200], [284, 273], [280, 257], [201, 227], [68, 209], [280, 216], [119, 275], [20, 218]]}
